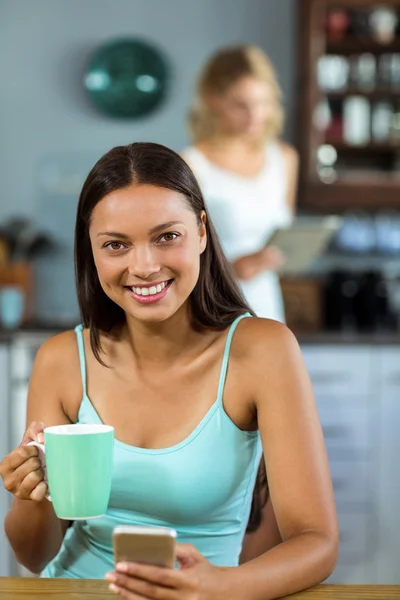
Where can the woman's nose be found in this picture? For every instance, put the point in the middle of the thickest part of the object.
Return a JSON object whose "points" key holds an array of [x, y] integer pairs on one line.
{"points": [[143, 262]]}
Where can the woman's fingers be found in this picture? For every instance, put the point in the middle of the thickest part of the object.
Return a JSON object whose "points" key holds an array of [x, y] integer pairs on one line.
{"points": [[31, 465], [39, 493], [34, 433], [29, 483]]}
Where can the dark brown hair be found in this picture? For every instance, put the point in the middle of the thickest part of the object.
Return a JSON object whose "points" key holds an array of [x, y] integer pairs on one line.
{"points": [[216, 300]]}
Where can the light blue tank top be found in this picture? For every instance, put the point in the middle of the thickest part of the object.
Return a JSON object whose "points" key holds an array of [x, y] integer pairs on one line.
{"points": [[202, 487]]}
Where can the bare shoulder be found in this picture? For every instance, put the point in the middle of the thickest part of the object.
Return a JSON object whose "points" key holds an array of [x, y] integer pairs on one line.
{"points": [[202, 146], [256, 333], [58, 360], [289, 152], [58, 350], [55, 388], [264, 347]]}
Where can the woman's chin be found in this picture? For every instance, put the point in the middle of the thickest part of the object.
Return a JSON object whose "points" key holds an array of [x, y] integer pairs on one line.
{"points": [[151, 313]]}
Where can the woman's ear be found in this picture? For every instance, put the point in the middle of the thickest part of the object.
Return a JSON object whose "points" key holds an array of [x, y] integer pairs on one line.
{"points": [[203, 231]]}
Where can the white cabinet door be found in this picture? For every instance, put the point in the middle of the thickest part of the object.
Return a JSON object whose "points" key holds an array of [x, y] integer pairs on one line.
{"points": [[389, 472], [5, 554], [340, 371], [344, 381]]}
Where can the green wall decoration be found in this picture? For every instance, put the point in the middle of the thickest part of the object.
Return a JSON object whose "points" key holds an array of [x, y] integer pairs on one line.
{"points": [[127, 78]]}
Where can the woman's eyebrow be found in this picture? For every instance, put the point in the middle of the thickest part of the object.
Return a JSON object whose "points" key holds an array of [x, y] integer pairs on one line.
{"points": [[152, 230], [164, 226], [114, 234]]}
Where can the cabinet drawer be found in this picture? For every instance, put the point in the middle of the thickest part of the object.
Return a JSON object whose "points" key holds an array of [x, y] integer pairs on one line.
{"points": [[360, 574], [347, 429], [390, 365], [341, 370], [356, 544], [351, 482]]}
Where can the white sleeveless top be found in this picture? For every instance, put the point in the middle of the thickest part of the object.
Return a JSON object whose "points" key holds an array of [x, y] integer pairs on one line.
{"points": [[245, 212]]}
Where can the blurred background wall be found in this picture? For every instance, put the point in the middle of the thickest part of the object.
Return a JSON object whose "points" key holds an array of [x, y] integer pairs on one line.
{"points": [[51, 134], [45, 46]]}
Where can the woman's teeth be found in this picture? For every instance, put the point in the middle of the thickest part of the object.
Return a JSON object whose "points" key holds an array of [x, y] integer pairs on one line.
{"points": [[149, 291]]}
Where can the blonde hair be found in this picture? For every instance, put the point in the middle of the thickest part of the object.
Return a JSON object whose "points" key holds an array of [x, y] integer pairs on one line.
{"points": [[223, 69]]}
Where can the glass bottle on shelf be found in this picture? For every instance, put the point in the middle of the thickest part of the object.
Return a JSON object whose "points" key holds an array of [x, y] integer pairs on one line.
{"points": [[363, 71], [326, 163], [356, 120], [381, 122], [332, 73], [337, 24], [383, 22]]}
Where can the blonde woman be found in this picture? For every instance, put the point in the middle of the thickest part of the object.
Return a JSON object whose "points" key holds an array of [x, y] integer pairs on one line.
{"points": [[247, 174]]}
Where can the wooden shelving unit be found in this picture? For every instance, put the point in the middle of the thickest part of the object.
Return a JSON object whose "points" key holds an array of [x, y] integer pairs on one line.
{"points": [[358, 174], [354, 46], [377, 94]]}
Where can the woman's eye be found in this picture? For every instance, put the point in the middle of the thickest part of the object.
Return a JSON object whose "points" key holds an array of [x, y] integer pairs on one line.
{"points": [[114, 245], [168, 237]]}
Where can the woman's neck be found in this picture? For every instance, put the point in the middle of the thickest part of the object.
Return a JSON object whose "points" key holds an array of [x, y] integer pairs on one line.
{"points": [[161, 342]]}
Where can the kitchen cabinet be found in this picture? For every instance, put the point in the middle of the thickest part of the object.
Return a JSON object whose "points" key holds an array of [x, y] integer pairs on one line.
{"points": [[388, 481], [17, 353], [357, 390]]}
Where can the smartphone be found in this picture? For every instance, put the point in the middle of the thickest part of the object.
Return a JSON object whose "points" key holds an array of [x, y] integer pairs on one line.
{"points": [[151, 545]]}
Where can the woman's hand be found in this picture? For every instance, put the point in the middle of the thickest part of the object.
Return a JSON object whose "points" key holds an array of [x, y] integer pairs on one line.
{"points": [[196, 579], [267, 259], [21, 470]]}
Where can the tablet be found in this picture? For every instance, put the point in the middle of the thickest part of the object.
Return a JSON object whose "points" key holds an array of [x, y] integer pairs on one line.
{"points": [[303, 241]]}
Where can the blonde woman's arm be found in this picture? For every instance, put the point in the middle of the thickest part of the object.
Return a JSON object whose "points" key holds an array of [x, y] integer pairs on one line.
{"points": [[291, 158]]}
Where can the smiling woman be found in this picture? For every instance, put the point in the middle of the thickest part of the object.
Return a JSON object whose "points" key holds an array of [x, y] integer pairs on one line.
{"points": [[196, 392], [149, 250]]}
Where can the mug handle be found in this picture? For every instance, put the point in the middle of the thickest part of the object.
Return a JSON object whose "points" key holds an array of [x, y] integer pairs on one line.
{"points": [[42, 458]]}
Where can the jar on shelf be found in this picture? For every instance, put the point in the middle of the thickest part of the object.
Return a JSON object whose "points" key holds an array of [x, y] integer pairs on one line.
{"points": [[356, 120], [383, 21], [381, 121], [337, 24]]}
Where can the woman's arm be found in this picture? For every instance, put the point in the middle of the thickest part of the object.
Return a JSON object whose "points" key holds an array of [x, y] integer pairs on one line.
{"points": [[32, 527], [298, 472], [249, 266], [265, 537], [291, 159]]}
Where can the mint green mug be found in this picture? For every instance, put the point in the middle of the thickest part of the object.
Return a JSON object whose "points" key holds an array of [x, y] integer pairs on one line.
{"points": [[78, 462]]}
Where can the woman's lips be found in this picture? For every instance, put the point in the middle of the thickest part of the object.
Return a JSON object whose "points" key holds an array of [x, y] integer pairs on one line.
{"points": [[149, 299]]}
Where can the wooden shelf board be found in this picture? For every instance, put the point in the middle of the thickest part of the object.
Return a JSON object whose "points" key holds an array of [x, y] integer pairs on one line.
{"points": [[371, 147], [354, 45], [374, 194], [384, 93]]}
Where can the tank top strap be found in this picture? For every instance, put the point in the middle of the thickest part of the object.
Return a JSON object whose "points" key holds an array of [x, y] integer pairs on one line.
{"points": [[82, 358], [225, 359]]}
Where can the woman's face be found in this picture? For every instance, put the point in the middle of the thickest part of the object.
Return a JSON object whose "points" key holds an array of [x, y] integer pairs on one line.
{"points": [[244, 108], [146, 245]]}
